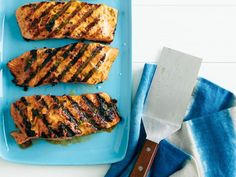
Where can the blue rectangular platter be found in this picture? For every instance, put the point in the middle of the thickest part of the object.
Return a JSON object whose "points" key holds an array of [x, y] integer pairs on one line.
{"points": [[100, 148]]}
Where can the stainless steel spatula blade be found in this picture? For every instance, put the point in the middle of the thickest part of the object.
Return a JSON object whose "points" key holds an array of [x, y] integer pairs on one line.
{"points": [[170, 93], [166, 103]]}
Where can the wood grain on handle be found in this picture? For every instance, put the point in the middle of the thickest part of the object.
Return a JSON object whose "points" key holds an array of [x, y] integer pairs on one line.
{"points": [[145, 159]]}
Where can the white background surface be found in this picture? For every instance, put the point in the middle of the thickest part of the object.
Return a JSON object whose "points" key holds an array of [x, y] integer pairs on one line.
{"points": [[204, 28]]}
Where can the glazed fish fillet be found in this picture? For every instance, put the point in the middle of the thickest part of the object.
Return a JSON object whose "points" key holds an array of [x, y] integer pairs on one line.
{"points": [[73, 19], [78, 62], [62, 117]]}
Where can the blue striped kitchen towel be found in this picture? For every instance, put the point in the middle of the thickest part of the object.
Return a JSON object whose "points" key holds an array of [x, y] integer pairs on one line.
{"points": [[208, 133], [204, 146]]}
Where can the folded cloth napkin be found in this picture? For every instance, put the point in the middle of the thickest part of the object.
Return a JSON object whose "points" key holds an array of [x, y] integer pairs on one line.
{"points": [[205, 145], [209, 132]]}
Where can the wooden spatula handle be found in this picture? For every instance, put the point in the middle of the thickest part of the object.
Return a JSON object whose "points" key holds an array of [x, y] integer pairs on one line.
{"points": [[145, 159]]}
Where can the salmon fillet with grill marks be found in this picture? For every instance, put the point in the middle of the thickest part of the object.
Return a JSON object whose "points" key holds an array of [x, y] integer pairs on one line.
{"points": [[62, 117], [73, 19], [78, 62]]}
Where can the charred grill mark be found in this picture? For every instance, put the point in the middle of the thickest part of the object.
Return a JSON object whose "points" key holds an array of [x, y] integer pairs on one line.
{"points": [[51, 23], [92, 71], [76, 106], [66, 112], [80, 69], [48, 58], [33, 9], [24, 101], [27, 124], [105, 109], [33, 57], [48, 51], [38, 6], [92, 106], [46, 15], [38, 97], [42, 101], [73, 61], [55, 66], [90, 26], [65, 55], [82, 19], [64, 128], [54, 32], [82, 113], [52, 133]]}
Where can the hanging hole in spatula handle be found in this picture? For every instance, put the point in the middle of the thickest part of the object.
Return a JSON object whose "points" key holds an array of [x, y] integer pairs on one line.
{"points": [[145, 159]]}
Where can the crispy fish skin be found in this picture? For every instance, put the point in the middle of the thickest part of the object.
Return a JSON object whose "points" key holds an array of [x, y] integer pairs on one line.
{"points": [[78, 62], [72, 19], [62, 117]]}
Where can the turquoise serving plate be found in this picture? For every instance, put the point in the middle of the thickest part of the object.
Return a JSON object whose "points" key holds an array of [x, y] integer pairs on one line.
{"points": [[99, 148]]}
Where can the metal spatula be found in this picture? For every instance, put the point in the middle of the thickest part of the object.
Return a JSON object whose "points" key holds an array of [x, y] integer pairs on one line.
{"points": [[166, 103]]}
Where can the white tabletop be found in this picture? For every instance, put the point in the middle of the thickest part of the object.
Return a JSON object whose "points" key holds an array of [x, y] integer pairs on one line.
{"points": [[204, 28]]}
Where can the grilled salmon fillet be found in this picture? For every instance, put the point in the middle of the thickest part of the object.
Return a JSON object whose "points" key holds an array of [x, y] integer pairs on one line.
{"points": [[62, 117], [73, 19], [78, 62]]}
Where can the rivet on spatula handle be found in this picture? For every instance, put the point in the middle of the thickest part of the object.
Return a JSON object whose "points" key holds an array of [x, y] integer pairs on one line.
{"points": [[145, 159]]}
